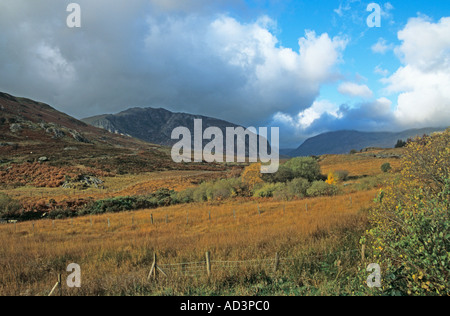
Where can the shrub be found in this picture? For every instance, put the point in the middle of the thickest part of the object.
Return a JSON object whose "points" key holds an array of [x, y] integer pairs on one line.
{"points": [[400, 144], [410, 226], [298, 187], [251, 175], [9, 208], [207, 191], [369, 183], [200, 194], [341, 175], [186, 196], [386, 167], [162, 197], [268, 189], [331, 179], [284, 174], [304, 167], [321, 188]]}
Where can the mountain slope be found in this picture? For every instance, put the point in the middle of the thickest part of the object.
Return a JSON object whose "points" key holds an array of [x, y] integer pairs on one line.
{"points": [[36, 137], [342, 142], [152, 125]]}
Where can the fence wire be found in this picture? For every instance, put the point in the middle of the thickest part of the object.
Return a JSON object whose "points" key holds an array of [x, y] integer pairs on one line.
{"points": [[195, 269]]}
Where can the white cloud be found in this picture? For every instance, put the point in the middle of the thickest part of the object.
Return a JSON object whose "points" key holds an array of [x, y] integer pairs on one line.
{"points": [[381, 47], [380, 71], [308, 116], [355, 90], [182, 56], [423, 81]]}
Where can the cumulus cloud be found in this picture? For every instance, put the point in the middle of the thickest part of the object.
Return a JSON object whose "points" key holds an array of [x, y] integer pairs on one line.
{"points": [[423, 80], [182, 55], [355, 90], [325, 116], [419, 87], [381, 47], [381, 71]]}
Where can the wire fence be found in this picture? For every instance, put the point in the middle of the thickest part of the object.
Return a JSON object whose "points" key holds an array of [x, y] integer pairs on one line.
{"points": [[275, 264]]}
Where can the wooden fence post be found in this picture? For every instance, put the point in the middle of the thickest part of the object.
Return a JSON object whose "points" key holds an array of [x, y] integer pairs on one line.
{"points": [[57, 285], [151, 218], [208, 263], [155, 267], [277, 263], [60, 284]]}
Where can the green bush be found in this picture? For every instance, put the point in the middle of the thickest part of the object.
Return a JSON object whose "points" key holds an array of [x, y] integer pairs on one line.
{"points": [[268, 189], [186, 196], [9, 208], [284, 174], [372, 182], [410, 225], [341, 175], [208, 191], [386, 167], [321, 188], [304, 167], [298, 187], [200, 194], [162, 197]]}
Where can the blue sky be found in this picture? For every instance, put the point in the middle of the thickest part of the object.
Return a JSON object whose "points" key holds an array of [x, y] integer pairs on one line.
{"points": [[305, 66]]}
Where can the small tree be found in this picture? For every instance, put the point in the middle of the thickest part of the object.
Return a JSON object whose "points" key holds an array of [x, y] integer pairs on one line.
{"points": [[400, 144], [332, 179], [252, 175]]}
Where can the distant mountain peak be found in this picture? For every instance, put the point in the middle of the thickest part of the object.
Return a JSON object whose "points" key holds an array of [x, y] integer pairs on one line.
{"points": [[154, 125], [343, 141]]}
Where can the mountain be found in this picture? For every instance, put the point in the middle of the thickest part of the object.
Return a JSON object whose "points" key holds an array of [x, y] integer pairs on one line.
{"points": [[152, 125], [342, 142], [156, 125], [33, 132]]}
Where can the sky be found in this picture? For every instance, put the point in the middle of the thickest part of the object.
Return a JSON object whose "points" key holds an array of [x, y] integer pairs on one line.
{"points": [[307, 67]]}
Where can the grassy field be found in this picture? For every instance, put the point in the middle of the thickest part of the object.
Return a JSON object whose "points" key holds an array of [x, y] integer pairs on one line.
{"points": [[33, 252], [316, 239]]}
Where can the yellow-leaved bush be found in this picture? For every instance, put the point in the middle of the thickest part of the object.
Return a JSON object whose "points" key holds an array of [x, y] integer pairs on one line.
{"points": [[410, 226]]}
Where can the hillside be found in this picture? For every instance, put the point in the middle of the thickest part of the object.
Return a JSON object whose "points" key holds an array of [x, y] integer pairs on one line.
{"points": [[156, 125], [41, 146], [342, 142], [152, 125]]}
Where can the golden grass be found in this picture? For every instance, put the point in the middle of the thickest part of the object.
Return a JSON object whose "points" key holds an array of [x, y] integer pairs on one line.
{"points": [[357, 165], [122, 185], [113, 258]]}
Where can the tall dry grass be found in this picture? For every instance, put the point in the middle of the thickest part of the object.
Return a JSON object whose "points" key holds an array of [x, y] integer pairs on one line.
{"points": [[116, 259]]}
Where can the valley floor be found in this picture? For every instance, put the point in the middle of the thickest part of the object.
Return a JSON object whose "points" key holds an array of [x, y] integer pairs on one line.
{"points": [[115, 251]]}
